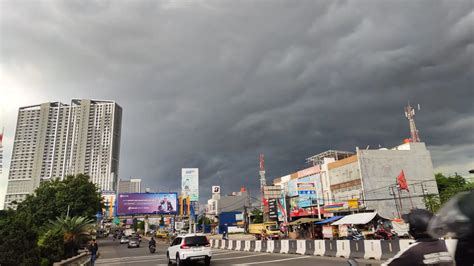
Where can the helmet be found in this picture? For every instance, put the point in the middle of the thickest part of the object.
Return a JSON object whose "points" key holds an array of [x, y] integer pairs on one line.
{"points": [[418, 219]]}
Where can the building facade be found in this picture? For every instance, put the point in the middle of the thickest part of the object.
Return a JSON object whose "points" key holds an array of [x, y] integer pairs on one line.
{"points": [[130, 186], [364, 181], [236, 201], [53, 140]]}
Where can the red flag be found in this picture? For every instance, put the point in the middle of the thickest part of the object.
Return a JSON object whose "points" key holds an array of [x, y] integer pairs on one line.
{"points": [[402, 182]]}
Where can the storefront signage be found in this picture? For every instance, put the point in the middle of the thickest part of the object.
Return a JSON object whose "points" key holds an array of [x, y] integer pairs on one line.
{"points": [[272, 209], [353, 203], [334, 207]]}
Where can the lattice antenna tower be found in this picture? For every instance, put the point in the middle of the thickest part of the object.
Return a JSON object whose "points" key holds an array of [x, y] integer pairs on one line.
{"points": [[410, 115]]}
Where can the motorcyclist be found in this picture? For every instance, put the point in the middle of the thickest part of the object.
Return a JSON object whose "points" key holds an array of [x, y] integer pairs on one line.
{"points": [[152, 242], [426, 250], [457, 218]]}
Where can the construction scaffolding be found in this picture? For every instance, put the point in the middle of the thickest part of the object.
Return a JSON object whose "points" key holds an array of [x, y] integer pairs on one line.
{"points": [[318, 159]]}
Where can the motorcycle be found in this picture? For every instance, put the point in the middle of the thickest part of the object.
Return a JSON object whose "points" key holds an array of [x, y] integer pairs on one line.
{"points": [[354, 234], [152, 248], [383, 234]]}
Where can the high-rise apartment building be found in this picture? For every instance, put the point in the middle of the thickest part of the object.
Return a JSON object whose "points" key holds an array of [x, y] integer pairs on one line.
{"points": [[53, 140], [130, 186]]}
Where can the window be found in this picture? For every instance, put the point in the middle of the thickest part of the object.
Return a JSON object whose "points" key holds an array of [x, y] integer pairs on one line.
{"points": [[196, 241], [177, 241]]}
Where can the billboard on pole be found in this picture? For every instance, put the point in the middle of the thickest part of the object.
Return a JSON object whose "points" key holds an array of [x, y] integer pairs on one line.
{"points": [[190, 183], [147, 203]]}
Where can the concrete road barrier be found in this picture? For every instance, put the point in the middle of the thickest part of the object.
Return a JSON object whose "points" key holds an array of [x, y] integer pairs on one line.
{"points": [[271, 246], [319, 247], [285, 246], [366, 249], [292, 246], [373, 249], [277, 247], [357, 249], [238, 245], [331, 248], [300, 247], [343, 248], [389, 248], [247, 245], [252, 246], [264, 245]]}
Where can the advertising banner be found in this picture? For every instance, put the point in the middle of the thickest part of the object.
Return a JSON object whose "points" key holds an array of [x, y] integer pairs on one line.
{"points": [[292, 188], [147, 203], [307, 191], [190, 183], [335, 207], [272, 209], [306, 194], [353, 203]]}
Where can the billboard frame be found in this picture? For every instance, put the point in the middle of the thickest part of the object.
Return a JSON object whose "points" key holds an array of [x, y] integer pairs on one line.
{"points": [[175, 212]]}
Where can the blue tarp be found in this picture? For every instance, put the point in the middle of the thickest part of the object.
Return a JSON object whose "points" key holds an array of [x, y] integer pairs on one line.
{"points": [[328, 220]]}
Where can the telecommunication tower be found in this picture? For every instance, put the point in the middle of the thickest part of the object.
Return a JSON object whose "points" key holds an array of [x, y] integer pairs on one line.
{"points": [[263, 181], [410, 115]]}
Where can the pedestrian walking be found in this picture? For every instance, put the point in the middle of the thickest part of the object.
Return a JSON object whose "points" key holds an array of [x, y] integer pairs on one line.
{"points": [[93, 250]]}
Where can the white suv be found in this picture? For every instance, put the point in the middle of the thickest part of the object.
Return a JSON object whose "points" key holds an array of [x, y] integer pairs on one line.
{"points": [[188, 248]]}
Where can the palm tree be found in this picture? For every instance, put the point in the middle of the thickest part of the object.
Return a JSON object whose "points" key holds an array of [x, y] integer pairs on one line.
{"points": [[75, 229]]}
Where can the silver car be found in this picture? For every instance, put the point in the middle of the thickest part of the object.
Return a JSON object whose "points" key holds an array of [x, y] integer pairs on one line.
{"points": [[134, 242]]}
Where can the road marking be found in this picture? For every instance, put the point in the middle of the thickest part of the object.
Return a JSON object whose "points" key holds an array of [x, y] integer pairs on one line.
{"points": [[127, 262], [130, 259], [270, 261], [241, 257], [223, 253]]}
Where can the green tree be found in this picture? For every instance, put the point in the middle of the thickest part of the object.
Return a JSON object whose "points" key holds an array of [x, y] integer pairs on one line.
{"points": [[257, 216], [448, 186], [17, 240], [75, 231], [204, 220], [444, 183], [141, 225], [51, 246], [52, 198]]}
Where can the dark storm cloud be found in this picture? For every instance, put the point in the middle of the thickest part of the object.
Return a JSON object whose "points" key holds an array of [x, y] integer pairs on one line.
{"points": [[212, 84]]}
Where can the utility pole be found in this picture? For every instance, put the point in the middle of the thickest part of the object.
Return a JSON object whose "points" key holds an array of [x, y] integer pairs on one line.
{"points": [[424, 197], [392, 192]]}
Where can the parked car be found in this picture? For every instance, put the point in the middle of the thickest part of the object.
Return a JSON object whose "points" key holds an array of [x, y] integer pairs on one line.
{"points": [[134, 242], [124, 240], [190, 247]]}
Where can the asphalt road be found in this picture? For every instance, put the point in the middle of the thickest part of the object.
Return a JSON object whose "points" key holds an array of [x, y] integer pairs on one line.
{"points": [[113, 253]]}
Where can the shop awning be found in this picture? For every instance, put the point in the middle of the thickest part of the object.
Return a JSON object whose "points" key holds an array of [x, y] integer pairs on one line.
{"points": [[329, 220], [303, 221], [358, 218]]}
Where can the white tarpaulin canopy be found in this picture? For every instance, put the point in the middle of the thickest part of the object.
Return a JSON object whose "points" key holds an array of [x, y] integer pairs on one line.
{"points": [[358, 218]]}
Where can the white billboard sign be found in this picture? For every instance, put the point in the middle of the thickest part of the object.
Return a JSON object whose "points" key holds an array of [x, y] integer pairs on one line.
{"points": [[190, 183], [216, 190]]}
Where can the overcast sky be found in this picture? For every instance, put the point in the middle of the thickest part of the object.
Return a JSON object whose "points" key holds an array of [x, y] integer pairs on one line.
{"points": [[212, 84]]}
